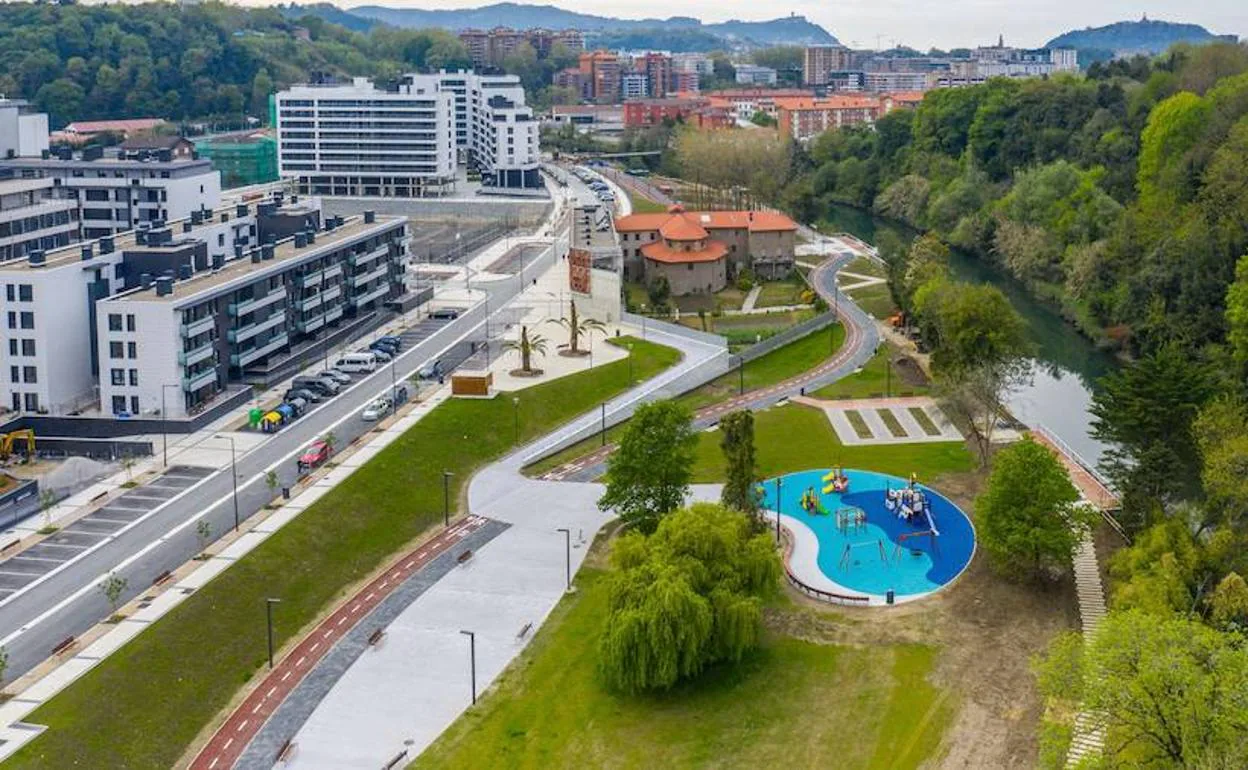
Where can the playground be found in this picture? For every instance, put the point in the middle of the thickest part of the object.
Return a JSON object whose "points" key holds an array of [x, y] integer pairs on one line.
{"points": [[869, 536]]}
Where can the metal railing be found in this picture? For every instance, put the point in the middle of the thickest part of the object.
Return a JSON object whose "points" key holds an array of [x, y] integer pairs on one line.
{"points": [[830, 597]]}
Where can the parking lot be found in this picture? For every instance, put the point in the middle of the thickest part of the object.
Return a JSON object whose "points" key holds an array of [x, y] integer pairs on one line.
{"points": [[26, 567]]}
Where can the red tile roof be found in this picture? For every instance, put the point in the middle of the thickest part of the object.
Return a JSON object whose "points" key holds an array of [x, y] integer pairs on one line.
{"points": [[682, 227], [754, 221], [660, 252]]}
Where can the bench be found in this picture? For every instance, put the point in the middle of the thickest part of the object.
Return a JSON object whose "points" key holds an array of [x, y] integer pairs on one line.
{"points": [[525, 630], [100, 496], [285, 752], [10, 544], [465, 556], [64, 645], [395, 760], [375, 638], [163, 577]]}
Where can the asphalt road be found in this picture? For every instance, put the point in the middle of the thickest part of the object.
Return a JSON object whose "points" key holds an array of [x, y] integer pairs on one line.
{"points": [[67, 601]]}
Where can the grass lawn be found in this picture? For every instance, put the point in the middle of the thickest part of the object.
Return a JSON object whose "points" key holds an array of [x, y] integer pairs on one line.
{"points": [[780, 364], [794, 438], [790, 703], [745, 330], [876, 300], [873, 380], [642, 204], [145, 704], [776, 293], [865, 266]]}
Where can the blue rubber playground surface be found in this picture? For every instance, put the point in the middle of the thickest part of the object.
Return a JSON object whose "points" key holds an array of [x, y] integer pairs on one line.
{"points": [[873, 555]]}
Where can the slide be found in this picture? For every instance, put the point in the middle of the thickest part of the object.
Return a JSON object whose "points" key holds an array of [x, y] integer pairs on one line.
{"points": [[931, 524], [827, 489]]}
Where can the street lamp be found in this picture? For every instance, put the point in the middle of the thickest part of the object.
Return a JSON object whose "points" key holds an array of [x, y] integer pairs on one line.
{"points": [[446, 498], [394, 389], [268, 611], [515, 402], [629, 348], [472, 661], [603, 431], [164, 423], [233, 475], [777, 510], [740, 375], [567, 542]]}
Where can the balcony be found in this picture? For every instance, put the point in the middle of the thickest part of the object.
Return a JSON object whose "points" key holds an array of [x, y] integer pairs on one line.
{"points": [[355, 260], [247, 332], [192, 357], [194, 382], [277, 343], [372, 275], [331, 273], [195, 328], [310, 325], [247, 306], [364, 299], [332, 293], [310, 303], [333, 314], [311, 279]]}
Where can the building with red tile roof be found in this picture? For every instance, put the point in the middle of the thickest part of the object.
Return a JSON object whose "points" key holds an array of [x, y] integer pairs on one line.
{"points": [[807, 117], [699, 252]]}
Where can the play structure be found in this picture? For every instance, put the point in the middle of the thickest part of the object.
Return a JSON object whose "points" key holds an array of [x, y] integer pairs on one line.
{"points": [[812, 504], [910, 503], [850, 519], [835, 481], [847, 556]]}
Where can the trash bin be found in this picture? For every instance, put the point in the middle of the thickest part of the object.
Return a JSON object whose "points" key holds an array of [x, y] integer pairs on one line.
{"points": [[285, 493], [888, 597]]}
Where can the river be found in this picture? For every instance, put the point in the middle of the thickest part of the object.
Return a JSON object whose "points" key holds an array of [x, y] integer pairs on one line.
{"points": [[1066, 365]]}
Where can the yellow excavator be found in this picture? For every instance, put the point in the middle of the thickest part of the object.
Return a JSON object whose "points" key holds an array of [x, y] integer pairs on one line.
{"points": [[7, 440]]}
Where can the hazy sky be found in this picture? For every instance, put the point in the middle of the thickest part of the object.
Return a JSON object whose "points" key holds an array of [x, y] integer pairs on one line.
{"points": [[917, 23]]}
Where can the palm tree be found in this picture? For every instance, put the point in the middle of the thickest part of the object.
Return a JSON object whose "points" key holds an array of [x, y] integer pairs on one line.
{"points": [[577, 326], [527, 345]]}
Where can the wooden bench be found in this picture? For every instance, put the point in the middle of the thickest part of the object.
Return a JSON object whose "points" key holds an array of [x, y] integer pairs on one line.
{"points": [[64, 645], [10, 544], [163, 577], [100, 496], [525, 630], [285, 752], [465, 556], [395, 760], [375, 638]]}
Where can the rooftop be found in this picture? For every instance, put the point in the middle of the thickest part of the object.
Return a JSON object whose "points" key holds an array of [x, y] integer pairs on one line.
{"points": [[96, 126], [754, 221], [284, 252], [661, 252]]}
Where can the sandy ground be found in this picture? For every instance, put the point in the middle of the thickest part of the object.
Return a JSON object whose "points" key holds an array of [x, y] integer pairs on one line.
{"points": [[987, 630]]}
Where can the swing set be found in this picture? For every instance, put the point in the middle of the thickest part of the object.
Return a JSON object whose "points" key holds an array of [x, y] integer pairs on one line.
{"points": [[929, 533], [847, 555]]}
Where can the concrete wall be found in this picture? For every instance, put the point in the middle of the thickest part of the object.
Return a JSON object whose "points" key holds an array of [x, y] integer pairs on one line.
{"points": [[691, 278], [525, 210]]}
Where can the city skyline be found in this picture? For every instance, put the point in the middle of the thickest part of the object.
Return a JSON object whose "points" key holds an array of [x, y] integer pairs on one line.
{"points": [[863, 24]]}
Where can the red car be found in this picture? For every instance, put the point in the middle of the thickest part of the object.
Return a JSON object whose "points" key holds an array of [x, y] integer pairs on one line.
{"points": [[315, 455]]}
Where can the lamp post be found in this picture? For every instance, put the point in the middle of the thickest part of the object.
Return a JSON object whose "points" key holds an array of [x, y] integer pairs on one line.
{"points": [[629, 348], [888, 375], [515, 402], [472, 661], [740, 375], [268, 612], [567, 543], [233, 475], [603, 431], [164, 424], [777, 510], [446, 498], [394, 389]]}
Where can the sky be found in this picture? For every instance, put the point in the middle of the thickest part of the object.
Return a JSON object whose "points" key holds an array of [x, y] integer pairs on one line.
{"points": [[919, 24]]}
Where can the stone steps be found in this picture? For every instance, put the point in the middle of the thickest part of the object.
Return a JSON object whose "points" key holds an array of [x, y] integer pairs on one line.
{"points": [[1089, 734]]}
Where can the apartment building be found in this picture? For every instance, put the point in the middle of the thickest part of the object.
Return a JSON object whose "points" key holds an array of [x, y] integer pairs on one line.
{"points": [[657, 69], [488, 48], [744, 102], [695, 111], [359, 140], [32, 217], [803, 119], [695, 63], [195, 331], [820, 60], [23, 132], [634, 85], [48, 357], [601, 72], [890, 82], [685, 82], [753, 75]]}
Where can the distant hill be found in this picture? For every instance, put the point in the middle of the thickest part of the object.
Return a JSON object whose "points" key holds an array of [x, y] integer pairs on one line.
{"points": [[796, 30], [1144, 35], [330, 13]]}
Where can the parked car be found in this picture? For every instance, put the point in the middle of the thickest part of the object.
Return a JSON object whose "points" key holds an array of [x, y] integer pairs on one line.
{"points": [[391, 349], [320, 385], [355, 363], [382, 356], [342, 378], [314, 455], [298, 404], [390, 339], [304, 393], [445, 314], [430, 371], [377, 409]]}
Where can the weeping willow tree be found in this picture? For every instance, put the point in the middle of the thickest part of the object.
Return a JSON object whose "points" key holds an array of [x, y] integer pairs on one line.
{"points": [[685, 597]]}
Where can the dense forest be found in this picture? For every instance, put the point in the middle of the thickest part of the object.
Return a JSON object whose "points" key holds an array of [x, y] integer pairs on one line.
{"points": [[197, 61]]}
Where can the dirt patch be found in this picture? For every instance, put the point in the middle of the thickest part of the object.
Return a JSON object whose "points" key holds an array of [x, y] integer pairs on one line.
{"points": [[987, 630], [910, 372]]}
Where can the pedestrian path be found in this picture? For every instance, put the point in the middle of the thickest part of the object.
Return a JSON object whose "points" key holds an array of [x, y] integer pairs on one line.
{"points": [[1089, 735], [897, 420], [747, 305]]}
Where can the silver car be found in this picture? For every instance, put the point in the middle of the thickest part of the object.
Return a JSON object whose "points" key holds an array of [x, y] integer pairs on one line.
{"points": [[335, 375]]}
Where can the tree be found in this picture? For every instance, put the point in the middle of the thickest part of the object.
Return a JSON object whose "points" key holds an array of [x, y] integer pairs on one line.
{"points": [[1221, 434], [526, 346], [203, 530], [261, 87], [4, 663], [684, 597], [113, 587], [1027, 519], [47, 501], [62, 99], [331, 440], [272, 482], [737, 443], [1144, 412], [1237, 312], [1168, 570], [1171, 690], [648, 475], [576, 327]]}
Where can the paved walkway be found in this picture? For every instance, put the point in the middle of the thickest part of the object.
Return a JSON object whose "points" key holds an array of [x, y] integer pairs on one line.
{"points": [[1089, 736], [234, 735], [871, 411], [747, 304]]}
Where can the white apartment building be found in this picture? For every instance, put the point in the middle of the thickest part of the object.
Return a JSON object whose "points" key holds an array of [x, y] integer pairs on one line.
{"points": [[698, 63], [114, 194], [634, 85], [362, 141], [22, 133], [31, 217], [754, 75]]}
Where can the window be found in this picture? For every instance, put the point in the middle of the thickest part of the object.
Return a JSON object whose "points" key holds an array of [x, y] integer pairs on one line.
{"points": [[134, 377], [17, 402], [117, 376], [30, 374], [114, 322], [129, 322], [15, 374], [28, 347], [134, 404], [8, 292], [116, 349], [12, 347], [28, 319], [119, 404], [132, 350], [32, 402], [12, 320], [25, 292]]}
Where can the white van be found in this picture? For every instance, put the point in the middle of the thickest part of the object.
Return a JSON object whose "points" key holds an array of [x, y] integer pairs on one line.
{"points": [[354, 363]]}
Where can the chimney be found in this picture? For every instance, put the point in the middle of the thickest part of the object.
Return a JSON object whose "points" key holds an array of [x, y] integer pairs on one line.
{"points": [[370, 216], [218, 261], [311, 236], [225, 216], [294, 199], [197, 217], [329, 224], [184, 272], [140, 236], [301, 240], [255, 256], [279, 196], [266, 251], [37, 257], [87, 252], [145, 280], [186, 226], [238, 251], [106, 245], [240, 210], [164, 286]]}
